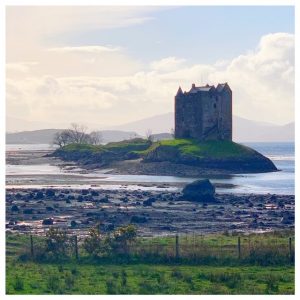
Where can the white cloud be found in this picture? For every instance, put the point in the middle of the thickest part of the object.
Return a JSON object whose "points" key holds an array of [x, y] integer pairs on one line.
{"points": [[167, 64], [262, 82], [23, 67]]}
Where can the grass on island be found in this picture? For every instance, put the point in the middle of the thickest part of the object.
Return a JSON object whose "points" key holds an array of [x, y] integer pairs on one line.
{"points": [[155, 276], [119, 147], [191, 147], [207, 149]]}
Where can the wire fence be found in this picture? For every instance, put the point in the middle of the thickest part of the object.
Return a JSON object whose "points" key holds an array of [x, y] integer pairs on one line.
{"points": [[192, 247]]}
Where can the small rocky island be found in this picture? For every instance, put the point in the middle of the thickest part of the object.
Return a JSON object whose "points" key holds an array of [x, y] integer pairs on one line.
{"points": [[202, 146], [180, 157]]}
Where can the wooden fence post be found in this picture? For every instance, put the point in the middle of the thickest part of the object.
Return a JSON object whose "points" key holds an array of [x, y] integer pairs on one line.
{"points": [[76, 247], [290, 249], [239, 247], [31, 246], [177, 246]]}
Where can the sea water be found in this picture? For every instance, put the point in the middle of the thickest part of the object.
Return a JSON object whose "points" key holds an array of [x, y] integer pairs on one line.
{"points": [[281, 182]]}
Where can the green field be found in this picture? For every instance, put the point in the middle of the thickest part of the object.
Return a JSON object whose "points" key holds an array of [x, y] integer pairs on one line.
{"points": [[158, 271]]}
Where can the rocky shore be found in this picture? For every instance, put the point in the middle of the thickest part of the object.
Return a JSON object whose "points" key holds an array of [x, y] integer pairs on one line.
{"points": [[153, 212], [164, 168]]}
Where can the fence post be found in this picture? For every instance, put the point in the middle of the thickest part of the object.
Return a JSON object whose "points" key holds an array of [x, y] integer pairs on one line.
{"points": [[290, 249], [31, 246], [177, 246], [239, 247], [76, 247], [194, 245]]}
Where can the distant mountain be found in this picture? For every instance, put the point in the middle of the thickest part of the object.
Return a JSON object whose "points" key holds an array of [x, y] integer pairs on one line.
{"points": [[250, 131], [243, 131], [117, 135], [157, 124], [45, 136], [161, 136]]}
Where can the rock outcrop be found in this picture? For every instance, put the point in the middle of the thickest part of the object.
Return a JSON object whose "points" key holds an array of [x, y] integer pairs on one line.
{"points": [[200, 190]]}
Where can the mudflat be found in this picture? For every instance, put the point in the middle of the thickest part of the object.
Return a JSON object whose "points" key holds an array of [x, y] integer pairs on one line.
{"points": [[154, 212]]}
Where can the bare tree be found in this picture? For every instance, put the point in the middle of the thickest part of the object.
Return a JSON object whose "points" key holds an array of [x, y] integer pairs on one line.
{"points": [[62, 138], [79, 133], [149, 135], [75, 135], [96, 137]]}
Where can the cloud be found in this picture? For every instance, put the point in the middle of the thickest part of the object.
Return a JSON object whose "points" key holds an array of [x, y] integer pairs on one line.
{"points": [[167, 64], [262, 81], [37, 25], [22, 67], [85, 49]]}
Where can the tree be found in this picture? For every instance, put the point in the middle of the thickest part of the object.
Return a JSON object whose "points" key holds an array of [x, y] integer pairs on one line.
{"points": [[62, 138], [96, 138], [79, 134], [149, 135], [76, 134]]}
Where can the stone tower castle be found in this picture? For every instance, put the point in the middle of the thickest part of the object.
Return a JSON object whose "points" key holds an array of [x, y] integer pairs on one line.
{"points": [[204, 113]]}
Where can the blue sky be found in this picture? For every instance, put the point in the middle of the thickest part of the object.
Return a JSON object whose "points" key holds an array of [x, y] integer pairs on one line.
{"points": [[201, 34]]}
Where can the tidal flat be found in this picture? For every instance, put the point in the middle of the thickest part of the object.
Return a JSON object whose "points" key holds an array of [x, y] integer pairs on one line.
{"points": [[154, 212]]}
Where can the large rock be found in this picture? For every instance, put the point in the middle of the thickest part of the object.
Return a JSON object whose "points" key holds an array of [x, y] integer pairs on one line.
{"points": [[200, 190]]}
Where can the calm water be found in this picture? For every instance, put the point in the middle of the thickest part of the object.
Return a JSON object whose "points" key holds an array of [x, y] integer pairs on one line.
{"points": [[282, 154]]}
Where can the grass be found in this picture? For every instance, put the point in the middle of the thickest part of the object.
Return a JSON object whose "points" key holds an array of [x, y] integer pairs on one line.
{"points": [[155, 276], [207, 149], [87, 153], [147, 279], [142, 147]]}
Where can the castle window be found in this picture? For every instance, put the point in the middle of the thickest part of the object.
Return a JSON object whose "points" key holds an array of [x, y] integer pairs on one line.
{"points": [[215, 105]]}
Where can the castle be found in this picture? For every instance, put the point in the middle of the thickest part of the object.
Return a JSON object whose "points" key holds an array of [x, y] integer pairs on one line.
{"points": [[204, 113]]}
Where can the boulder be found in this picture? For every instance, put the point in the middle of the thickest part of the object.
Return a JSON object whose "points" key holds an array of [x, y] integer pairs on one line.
{"points": [[200, 190], [50, 193], [14, 208], [149, 201], [73, 223], [138, 219], [39, 195], [48, 221]]}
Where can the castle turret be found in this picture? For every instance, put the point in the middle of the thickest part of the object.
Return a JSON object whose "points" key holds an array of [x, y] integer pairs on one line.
{"points": [[179, 92]]}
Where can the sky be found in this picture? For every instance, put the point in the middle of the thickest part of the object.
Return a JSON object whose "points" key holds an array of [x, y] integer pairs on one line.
{"points": [[113, 65]]}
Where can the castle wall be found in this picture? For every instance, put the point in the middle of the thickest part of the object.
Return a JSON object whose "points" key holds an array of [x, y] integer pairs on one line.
{"points": [[188, 117], [210, 116], [204, 115], [226, 115]]}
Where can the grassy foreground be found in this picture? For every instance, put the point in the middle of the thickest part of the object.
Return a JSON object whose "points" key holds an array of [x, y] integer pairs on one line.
{"points": [[33, 278], [155, 276]]}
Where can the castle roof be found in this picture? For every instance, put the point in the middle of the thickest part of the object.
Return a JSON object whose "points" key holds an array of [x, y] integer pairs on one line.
{"points": [[206, 88], [221, 86]]}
